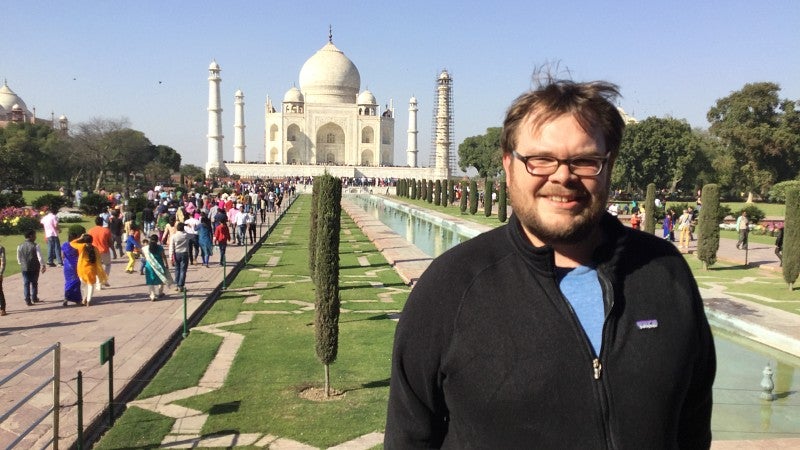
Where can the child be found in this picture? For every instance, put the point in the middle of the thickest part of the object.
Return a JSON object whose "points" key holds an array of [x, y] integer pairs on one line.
{"points": [[132, 247]]}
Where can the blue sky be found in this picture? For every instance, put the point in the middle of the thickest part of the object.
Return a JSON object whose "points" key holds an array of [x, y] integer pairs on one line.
{"points": [[88, 59]]}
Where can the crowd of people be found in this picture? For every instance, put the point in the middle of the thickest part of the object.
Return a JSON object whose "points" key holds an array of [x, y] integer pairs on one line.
{"points": [[171, 233]]}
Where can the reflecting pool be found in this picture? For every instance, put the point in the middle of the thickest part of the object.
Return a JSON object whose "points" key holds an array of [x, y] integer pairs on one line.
{"points": [[739, 412]]}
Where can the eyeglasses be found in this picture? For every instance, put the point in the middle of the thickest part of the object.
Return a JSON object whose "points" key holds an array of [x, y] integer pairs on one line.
{"points": [[582, 166]]}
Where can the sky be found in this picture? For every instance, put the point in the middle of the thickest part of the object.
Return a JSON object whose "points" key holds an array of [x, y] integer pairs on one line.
{"points": [[147, 61]]}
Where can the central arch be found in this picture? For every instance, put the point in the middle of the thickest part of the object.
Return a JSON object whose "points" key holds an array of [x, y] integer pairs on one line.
{"points": [[331, 144]]}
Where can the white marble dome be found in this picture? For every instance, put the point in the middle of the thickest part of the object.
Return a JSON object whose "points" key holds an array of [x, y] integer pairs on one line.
{"points": [[366, 98], [8, 99], [330, 77], [293, 95]]}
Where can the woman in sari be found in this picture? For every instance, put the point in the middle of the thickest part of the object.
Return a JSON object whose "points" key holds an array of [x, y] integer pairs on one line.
{"points": [[72, 284], [90, 269], [156, 272], [205, 238]]}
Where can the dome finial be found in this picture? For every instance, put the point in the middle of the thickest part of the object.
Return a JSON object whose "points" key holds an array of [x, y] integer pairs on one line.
{"points": [[330, 34]]}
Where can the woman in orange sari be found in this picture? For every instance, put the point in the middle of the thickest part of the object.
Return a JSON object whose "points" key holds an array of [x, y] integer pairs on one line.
{"points": [[90, 270]]}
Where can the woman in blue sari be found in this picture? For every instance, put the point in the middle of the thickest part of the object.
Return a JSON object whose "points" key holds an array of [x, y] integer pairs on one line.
{"points": [[72, 284], [205, 237], [156, 271]]}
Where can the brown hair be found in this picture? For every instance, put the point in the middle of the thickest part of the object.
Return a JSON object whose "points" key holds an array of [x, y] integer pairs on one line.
{"points": [[590, 103]]}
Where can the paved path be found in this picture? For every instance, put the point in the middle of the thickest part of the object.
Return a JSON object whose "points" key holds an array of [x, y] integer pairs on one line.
{"points": [[141, 330]]}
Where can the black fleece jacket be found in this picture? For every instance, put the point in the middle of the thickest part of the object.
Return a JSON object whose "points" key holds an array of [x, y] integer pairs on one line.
{"points": [[489, 354]]}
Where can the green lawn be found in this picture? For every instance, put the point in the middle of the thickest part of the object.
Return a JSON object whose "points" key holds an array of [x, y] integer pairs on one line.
{"points": [[277, 359]]}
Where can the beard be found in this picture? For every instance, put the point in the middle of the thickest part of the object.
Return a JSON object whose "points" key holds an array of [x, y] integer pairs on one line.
{"points": [[571, 230]]}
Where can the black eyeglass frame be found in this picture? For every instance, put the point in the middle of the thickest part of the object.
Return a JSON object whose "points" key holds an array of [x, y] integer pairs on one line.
{"points": [[601, 159]]}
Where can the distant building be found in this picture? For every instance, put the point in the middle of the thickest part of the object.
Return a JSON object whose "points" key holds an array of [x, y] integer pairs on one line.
{"points": [[14, 110]]}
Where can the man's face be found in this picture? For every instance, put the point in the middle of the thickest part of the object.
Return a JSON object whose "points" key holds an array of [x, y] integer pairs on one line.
{"points": [[561, 208]]}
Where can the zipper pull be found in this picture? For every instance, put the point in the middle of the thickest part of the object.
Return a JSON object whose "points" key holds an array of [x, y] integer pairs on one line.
{"points": [[597, 367]]}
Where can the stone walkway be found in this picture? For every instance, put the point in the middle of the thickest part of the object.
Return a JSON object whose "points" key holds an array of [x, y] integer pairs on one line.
{"points": [[145, 333]]}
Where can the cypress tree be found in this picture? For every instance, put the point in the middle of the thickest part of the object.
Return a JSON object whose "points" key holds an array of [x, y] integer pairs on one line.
{"points": [[708, 226], [437, 193], [463, 205], [502, 199], [413, 188], [312, 235], [327, 293], [791, 238], [451, 189], [445, 193], [650, 209], [424, 189], [473, 197], [487, 198], [429, 192]]}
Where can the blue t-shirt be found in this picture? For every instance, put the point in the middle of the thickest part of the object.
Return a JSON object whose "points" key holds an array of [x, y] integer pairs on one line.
{"points": [[581, 287]]}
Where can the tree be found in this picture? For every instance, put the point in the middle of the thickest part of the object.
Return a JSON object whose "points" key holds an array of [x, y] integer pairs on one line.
{"points": [[31, 155], [791, 238], [437, 193], [445, 192], [327, 306], [502, 203], [451, 191], [650, 209], [192, 172], [429, 192], [473, 197], [761, 133], [487, 198], [413, 188], [483, 153], [708, 226], [655, 150], [463, 204], [312, 235]]}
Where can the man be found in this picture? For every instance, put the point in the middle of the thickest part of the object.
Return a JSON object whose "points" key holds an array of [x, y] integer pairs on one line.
{"points": [[190, 228], [743, 228], [50, 224], [564, 328], [29, 257], [115, 226], [101, 240], [179, 249]]}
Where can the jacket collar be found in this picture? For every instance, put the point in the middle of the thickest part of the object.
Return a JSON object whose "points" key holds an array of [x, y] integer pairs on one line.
{"points": [[542, 259]]}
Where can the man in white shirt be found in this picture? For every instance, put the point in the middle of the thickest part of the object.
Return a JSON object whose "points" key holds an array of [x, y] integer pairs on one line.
{"points": [[190, 227], [50, 224]]}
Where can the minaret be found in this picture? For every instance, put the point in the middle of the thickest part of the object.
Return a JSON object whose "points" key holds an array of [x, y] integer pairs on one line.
{"points": [[443, 126], [238, 128], [411, 151], [214, 121]]}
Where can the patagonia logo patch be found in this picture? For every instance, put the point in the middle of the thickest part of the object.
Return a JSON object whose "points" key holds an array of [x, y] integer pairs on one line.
{"points": [[647, 324]]}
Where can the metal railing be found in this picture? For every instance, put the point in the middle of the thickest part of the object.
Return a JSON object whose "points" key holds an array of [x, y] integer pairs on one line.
{"points": [[55, 380]]}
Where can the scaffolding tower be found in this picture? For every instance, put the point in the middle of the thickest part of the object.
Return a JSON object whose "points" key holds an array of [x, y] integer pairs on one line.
{"points": [[442, 126]]}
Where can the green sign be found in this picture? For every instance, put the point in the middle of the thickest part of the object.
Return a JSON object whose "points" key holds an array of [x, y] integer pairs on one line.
{"points": [[106, 350]]}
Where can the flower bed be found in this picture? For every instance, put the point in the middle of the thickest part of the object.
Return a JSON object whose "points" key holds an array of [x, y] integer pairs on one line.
{"points": [[15, 220]]}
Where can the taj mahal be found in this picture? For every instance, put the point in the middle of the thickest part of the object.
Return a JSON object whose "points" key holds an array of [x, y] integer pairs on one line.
{"points": [[329, 124]]}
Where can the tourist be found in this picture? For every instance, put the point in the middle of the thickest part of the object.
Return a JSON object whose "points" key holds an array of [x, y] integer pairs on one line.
{"points": [[191, 224], [50, 224], [116, 226], [563, 328], [101, 241], [743, 229], [778, 246], [666, 226], [156, 272], [72, 284], [132, 247], [90, 267], [205, 239], [221, 238], [2, 270], [29, 257], [179, 254], [250, 223], [685, 228], [241, 227]]}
